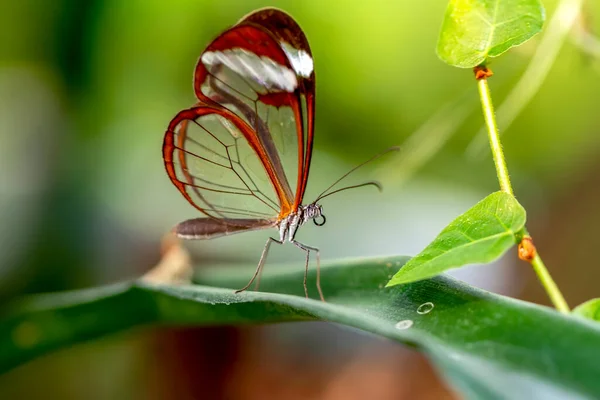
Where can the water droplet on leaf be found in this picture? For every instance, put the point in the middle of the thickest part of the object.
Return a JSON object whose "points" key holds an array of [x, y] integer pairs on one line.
{"points": [[425, 308], [404, 324]]}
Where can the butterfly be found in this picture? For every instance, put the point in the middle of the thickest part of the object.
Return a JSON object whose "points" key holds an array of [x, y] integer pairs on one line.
{"points": [[234, 154]]}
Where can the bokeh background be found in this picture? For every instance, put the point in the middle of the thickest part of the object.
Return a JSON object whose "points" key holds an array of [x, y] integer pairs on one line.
{"points": [[87, 89]]}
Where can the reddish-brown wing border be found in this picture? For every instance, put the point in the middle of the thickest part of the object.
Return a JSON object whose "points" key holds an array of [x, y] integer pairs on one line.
{"points": [[170, 146], [262, 32]]}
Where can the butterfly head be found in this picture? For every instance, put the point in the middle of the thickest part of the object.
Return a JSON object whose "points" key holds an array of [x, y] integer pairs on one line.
{"points": [[313, 211]]}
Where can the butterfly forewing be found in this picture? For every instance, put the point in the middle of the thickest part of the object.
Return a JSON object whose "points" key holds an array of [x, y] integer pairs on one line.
{"points": [[294, 42], [262, 70]]}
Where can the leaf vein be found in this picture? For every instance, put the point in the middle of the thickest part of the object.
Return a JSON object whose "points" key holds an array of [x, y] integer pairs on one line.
{"points": [[444, 251]]}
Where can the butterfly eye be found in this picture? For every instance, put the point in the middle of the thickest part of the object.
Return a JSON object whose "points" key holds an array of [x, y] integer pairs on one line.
{"points": [[320, 222]]}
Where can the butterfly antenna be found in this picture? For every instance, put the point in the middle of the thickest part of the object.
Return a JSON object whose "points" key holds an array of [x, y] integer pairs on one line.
{"points": [[371, 183]]}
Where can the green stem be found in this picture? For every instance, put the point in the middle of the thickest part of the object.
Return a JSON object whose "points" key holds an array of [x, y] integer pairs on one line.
{"points": [[553, 292], [494, 136], [503, 178]]}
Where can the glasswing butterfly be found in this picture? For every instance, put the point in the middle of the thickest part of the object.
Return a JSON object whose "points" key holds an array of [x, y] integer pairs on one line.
{"points": [[236, 152]]}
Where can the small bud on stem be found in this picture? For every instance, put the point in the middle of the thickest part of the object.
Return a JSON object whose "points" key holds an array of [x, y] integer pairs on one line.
{"points": [[482, 72], [527, 249]]}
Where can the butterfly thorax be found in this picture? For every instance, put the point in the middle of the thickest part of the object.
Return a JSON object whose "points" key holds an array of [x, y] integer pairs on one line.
{"points": [[289, 225]]}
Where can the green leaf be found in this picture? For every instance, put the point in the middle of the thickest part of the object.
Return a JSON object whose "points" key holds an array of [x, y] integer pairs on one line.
{"points": [[590, 309], [486, 346], [474, 30], [481, 235]]}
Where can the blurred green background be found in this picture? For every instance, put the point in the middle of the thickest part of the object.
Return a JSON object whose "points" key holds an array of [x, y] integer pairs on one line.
{"points": [[87, 89]]}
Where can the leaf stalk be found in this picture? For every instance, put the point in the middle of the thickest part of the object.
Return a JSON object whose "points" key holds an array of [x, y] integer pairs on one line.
{"points": [[482, 73]]}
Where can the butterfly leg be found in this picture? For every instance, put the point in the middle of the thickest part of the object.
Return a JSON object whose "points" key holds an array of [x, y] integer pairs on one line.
{"points": [[261, 263], [308, 249]]}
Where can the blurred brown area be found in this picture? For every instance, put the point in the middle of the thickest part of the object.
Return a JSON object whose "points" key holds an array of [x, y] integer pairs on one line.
{"points": [[239, 364], [230, 363]]}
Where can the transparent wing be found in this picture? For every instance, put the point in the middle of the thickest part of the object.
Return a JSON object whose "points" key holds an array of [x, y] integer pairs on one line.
{"points": [[261, 70], [210, 160], [295, 44]]}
